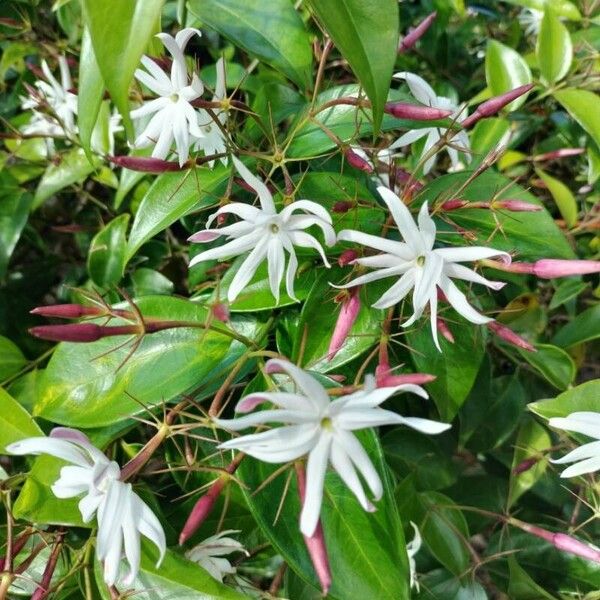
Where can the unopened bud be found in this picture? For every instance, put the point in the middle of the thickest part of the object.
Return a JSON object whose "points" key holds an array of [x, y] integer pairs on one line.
{"points": [[442, 327], [220, 312], [68, 311], [385, 378], [415, 112], [358, 162], [493, 105], [550, 268], [454, 204], [80, 332], [508, 335], [348, 313], [411, 38], [346, 257], [516, 205], [525, 465], [145, 164], [556, 154]]}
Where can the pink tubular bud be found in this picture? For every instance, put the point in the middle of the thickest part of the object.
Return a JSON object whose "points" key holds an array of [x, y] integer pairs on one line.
{"points": [[346, 257], [415, 112], [453, 204], [516, 206], [145, 164], [80, 332], [358, 162], [68, 311], [555, 154], [525, 465], [508, 335], [348, 314], [201, 510], [315, 544], [549, 268], [493, 105], [444, 330], [220, 312], [384, 377], [411, 38]]}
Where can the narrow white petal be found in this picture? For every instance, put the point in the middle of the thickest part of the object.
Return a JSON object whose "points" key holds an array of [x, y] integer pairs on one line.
{"points": [[399, 249], [248, 268], [88, 506], [233, 248], [432, 139], [404, 220], [379, 261], [581, 468], [459, 302], [149, 107], [131, 535], [426, 226], [152, 84], [345, 469], [308, 206], [247, 212], [433, 304], [266, 416], [276, 265], [470, 253], [281, 399], [376, 275], [63, 449], [305, 240], [150, 527], [164, 142], [397, 292], [585, 422], [291, 273], [182, 137], [459, 271], [426, 284], [161, 78], [220, 89], [409, 138], [419, 88], [264, 195], [586, 451]]}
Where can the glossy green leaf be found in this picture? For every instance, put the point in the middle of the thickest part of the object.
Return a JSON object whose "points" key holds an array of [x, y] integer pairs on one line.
{"points": [[73, 167], [11, 358], [14, 211], [583, 328], [366, 34], [148, 281], [563, 8], [553, 363], [438, 584], [88, 385], [563, 197], [90, 91], [15, 422], [120, 33], [593, 156], [106, 256], [486, 136], [505, 70], [272, 32], [582, 105], [521, 586], [566, 290], [584, 397], [532, 440], [172, 196], [554, 49], [529, 233], [455, 368]]}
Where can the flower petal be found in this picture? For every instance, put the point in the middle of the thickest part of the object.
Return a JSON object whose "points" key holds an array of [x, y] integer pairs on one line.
{"points": [[276, 265], [399, 249], [461, 272], [469, 253], [233, 248], [585, 422], [426, 226], [397, 292], [404, 220], [341, 462], [459, 302], [248, 268], [305, 240], [264, 195]]}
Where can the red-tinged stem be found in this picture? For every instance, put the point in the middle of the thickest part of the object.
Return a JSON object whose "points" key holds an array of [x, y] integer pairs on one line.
{"points": [[43, 588]]}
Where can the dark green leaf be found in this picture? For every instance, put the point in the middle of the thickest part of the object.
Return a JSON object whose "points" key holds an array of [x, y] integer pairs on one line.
{"points": [[583, 328], [554, 364], [11, 359], [584, 397], [16, 422], [14, 210], [106, 256]]}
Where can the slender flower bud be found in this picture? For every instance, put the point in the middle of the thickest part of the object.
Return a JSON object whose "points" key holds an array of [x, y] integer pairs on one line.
{"points": [[508, 335], [415, 112], [444, 330], [356, 161], [516, 205], [384, 377], [493, 105], [348, 313], [411, 38], [79, 332], [145, 164], [346, 257], [316, 543], [220, 311], [69, 311], [525, 465], [555, 154], [454, 204], [550, 268]]}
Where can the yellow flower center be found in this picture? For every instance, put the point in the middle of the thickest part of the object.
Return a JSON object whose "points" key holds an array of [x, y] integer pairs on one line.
{"points": [[326, 423], [420, 260]]}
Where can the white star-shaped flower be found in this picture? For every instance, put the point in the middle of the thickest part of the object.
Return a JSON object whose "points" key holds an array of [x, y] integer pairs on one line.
{"points": [[213, 140], [424, 93], [174, 118], [322, 430], [122, 515], [421, 267], [530, 20], [267, 234], [586, 457], [208, 554]]}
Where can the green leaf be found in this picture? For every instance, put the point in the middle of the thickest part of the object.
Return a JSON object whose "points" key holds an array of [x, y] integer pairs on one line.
{"points": [[553, 363], [593, 156], [486, 136], [532, 439], [505, 70], [106, 256], [565, 291], [89, 385], [16, 422], [73, 167], [90, 91], [563, 197], [14, 211], [584, 397], [148, 281], [11, 359], [120, 33], [366, 34], [563, 8], [583, 328], [272, 32], [554, 49], [172, 196], [521, 586], [455, 368], [442, 584], [177, 577], [582, 105], [531, 233]]}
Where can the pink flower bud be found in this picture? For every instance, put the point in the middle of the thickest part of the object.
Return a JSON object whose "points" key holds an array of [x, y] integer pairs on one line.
{"points": [[358, 162], [493, 105], [80, 332], [516, 206], [550, 268], [444, 330], [315, 544], [415, 112], [525, 465], [346, 257], [220, 312], [145, 164], [384, 377], [508, 335], [410, 39], [555, 154], [453, 204], [68, 311], [201, 510], [342, 206], [348, 314]]}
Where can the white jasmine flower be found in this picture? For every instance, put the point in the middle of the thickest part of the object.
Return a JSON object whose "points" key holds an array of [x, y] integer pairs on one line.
{"points": [[586, 457], [122, 515], [209, 552], [422, 268], [424, 93], [213, 140], [322, 430], [174, 118], [60, 100], [267, 234], [411, 549], [530, 20]]}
